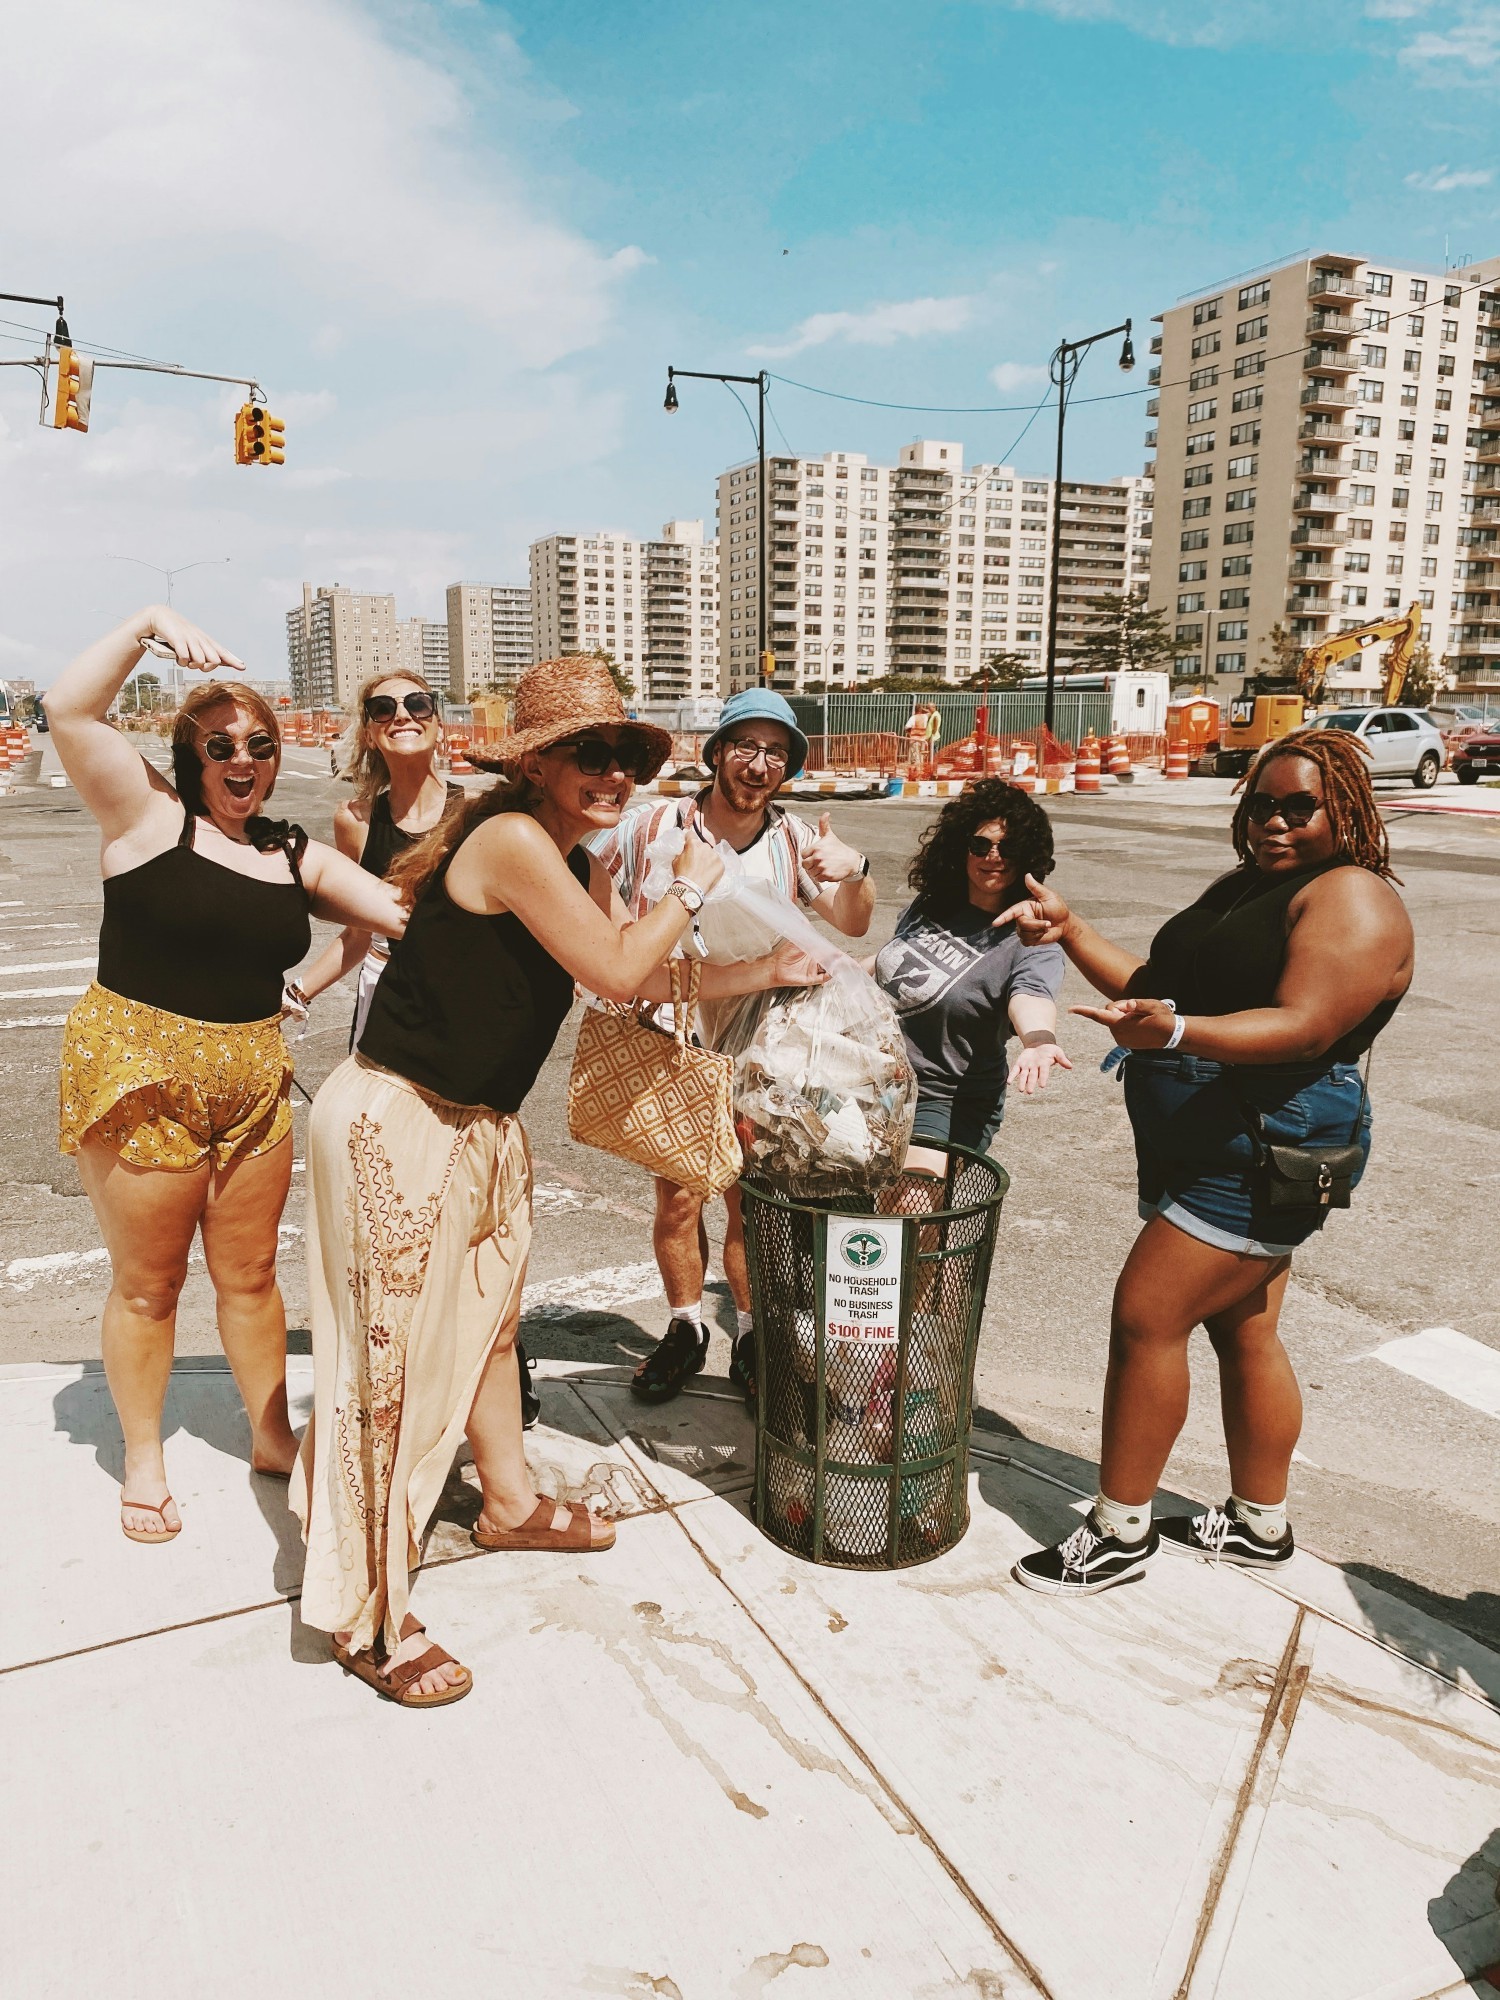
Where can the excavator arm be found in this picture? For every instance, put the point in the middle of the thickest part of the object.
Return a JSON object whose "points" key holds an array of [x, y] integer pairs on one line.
{"points": [[1403, 632]]}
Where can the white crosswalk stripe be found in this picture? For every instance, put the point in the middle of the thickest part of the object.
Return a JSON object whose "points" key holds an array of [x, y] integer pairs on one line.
{"points": [[1450, 1361]]}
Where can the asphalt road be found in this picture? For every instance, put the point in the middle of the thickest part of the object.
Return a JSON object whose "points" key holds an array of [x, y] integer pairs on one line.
{"points": [[1396, 1476]]}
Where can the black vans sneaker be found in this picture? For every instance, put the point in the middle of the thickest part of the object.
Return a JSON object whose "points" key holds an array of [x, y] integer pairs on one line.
{"points": [[1086, 1561], [1221, 1536], [675, 1359]]}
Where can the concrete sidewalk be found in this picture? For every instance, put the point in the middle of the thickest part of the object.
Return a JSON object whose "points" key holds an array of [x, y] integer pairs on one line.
{"points": [[695, 1767]]}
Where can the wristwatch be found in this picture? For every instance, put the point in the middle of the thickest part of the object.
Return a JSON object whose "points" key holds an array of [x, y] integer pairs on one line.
{"points": [[690, 898], [864, 869]]}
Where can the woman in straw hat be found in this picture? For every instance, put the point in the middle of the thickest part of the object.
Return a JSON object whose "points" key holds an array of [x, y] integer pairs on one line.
{"points": [[419, 1178]]}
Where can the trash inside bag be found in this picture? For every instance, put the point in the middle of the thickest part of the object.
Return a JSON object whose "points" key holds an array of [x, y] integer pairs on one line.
{"points": [[743, 915], [824, 1094]]}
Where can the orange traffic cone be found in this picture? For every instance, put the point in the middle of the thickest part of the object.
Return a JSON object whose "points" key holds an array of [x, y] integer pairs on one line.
{"points": [[1086, 770], [1179, 763], [1023, 768], [1119, 761]]}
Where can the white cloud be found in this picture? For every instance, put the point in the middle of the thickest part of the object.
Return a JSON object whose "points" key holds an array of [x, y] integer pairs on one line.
{"points": [[876, 326], [1012, 375], [1444, 180], [1465, 49]]}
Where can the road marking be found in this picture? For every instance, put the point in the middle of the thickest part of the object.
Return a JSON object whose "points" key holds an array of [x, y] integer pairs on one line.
{"points": [[50, 965], [1462, 1368], [42, 993], [592, 1291], [22, 1273], [37, 1021]]}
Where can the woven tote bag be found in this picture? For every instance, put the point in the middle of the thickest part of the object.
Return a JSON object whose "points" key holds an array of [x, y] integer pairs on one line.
{"points": [[647, 1096]]}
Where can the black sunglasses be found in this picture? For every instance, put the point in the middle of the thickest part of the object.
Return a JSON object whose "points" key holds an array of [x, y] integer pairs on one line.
{"points": [[220, 747], [594, 755], [982, 849], [1296, 808], [382, 707]]}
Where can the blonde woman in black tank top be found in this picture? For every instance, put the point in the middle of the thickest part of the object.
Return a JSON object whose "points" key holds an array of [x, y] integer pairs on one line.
{"points": [[1263, 994], [175, 1076]]}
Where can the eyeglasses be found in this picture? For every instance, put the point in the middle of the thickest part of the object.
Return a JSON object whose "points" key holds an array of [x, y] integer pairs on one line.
{"points": [[382, 707], [982, 849], [220, 747], [632, 754], [745, 750], [1295, 808]]}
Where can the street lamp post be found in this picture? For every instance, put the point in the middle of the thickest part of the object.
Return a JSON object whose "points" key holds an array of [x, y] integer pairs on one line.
{"points": [[759, 383], [1062, 368], [181, 570]]}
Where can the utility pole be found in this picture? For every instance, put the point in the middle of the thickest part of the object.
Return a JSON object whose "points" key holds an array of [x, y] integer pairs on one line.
{"points": [[760, 383]]}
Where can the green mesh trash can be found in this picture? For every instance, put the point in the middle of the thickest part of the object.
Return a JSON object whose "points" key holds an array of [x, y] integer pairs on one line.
{"points": [[866, 1325]]}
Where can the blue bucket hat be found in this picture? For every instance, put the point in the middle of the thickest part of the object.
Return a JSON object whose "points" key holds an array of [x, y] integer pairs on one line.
{"points": [[760, 705]]}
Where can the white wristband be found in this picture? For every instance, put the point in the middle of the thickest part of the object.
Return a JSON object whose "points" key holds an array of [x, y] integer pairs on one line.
{"points": [[1179, 1028]]}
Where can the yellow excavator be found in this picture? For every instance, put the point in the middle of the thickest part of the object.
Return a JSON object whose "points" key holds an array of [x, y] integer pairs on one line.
{"points": [[1272, 705]]}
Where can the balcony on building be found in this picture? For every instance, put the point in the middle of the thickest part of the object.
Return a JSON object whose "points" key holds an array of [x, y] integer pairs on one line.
{"points": [[1311, 606], [1327, 396], [1318, 534], [1338, 324], [1315, 429], [1332, 288], [1319, 500], [1155, 344], [1153, 406], [1326, 463], [1332, 360], [1489, 415], [1310, 572]]}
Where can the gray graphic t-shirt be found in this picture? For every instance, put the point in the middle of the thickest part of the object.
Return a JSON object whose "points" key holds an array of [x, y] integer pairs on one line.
{"points": [[951, 976]]}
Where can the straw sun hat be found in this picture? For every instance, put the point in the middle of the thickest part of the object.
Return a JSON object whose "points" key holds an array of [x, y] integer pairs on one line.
{"points": [[559, 698]]}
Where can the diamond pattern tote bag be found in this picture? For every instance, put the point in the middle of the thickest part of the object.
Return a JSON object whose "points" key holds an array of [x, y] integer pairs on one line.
{"points": [[652, 1097]]}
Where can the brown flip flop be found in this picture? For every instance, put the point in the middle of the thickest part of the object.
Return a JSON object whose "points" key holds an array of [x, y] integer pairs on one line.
{"points": [[537, 1531], [145, 1507], [396, 1684]]}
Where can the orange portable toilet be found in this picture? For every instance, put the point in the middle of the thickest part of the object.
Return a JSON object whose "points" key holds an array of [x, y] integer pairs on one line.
{"points": [[1192, 724]]}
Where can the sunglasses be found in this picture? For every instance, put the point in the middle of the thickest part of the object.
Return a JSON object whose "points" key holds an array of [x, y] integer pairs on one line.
{"points": [[382, 707], [633, 755], [220, 747], [1295, 808], [982, 849]]}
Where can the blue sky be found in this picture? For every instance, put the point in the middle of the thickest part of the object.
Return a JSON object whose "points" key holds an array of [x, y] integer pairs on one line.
{"points": [[460, 243]]}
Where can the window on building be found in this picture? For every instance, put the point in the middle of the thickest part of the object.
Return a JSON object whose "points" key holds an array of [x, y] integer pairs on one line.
{"points": [[1243, 468], [1429, 565], [1203, 378], [1446, 364], [1251, 364], [1362, 496], [1255, 295], [1206, 309], [1371, 392], [1189, 634], [1192, 572], [1378, 284], [1233, 600], [1354, 594], [1395, 531], [1200, 442], [1192, 510], [1450, 332], [1366, 461], [1241, 501], [1357, 560], [1434, 503], [1250, 330], [1443, 400], [1203, 413], [1418, 292], [1234, 628], [1440, 433], [1229, 663], [1367, 427], [1198, 475], [1235, 566], [1205, 343], [1412, 361], [1425, 599], [1195, 538], [1376, 321], [1244, 434], [1248, 399], [1190, 600], [1437, 468], [1394, 565], [1372, 357], [1361, 530], [1239, 531]]}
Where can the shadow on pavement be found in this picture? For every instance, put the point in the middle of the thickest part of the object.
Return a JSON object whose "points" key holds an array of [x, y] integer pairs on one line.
{"points": [[1465, 1918], [1477, 1615]]}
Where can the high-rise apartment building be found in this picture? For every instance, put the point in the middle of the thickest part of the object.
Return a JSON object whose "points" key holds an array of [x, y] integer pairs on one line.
{"points": [[422, 647], [1327, 450], [922, 567], [653, 606], [489, 636], [336, 637]]}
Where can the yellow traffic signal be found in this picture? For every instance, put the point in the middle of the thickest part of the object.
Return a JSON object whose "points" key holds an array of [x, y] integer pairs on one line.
{"points": [[259, 438], [75, 388]]}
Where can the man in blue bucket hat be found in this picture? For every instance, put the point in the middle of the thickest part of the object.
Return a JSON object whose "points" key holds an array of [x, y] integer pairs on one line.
{"points": [[755, 749]]}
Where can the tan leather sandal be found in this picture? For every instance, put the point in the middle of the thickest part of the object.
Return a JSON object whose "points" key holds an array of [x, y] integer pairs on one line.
{"points": [[168, 1534], [398, 1684], [537, 1531]]}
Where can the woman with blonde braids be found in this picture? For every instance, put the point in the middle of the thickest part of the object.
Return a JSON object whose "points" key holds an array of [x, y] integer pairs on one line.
{"points": [[389, 754], [1244, 1028]]}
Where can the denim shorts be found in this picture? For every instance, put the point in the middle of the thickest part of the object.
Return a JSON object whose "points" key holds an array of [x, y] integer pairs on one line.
{"points": [[948, 1121], [1195, 1159]]}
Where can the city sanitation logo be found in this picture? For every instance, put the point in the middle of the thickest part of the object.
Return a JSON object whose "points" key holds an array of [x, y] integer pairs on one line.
{"points": [[862, 1249]]}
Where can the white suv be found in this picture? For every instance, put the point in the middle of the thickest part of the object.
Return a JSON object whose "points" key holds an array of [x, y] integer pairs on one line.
{"points": [[1402, 742]]}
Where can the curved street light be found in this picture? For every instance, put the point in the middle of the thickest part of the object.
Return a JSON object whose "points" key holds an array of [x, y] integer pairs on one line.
{"points": [[760, 384]]}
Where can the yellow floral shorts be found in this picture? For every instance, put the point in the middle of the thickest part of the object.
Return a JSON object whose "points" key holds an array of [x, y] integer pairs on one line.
{"points": [[163, 1091]]}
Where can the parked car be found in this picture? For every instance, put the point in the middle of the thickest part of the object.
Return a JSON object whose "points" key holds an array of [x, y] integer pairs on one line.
{"points": [[1459, 720], [1402, 742], [1477, 756]]}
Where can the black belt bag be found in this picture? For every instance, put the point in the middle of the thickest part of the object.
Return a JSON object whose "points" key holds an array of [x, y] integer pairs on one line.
{"points": [[1304, 1178]]}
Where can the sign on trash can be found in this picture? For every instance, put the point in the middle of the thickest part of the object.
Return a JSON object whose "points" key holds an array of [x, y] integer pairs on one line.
{"points": [[866, 1328]]}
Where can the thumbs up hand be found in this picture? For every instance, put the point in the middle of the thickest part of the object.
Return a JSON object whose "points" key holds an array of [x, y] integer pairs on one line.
{"points": [[828, 859]]}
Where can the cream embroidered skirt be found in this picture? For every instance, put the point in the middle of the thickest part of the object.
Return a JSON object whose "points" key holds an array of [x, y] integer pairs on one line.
{"points": [[418, 1225]]}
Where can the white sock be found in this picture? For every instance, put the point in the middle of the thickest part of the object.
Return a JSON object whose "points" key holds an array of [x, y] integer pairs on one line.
{"points": [[694, 1312], [1126, 1524], [1267, 1524], [743, 1322]]}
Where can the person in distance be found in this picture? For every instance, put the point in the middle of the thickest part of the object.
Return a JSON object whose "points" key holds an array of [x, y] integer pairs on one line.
{"points": [[1243, 1030], [176, 1080], [419, 1174]]}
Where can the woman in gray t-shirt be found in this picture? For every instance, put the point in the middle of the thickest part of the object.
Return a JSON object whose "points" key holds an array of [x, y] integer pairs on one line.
{"points": [[960, 986]]}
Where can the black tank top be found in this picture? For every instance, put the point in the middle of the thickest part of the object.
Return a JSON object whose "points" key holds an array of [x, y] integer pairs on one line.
{"points": [[469, 1006], [194, 937], [384, 840], [1225, 953]]}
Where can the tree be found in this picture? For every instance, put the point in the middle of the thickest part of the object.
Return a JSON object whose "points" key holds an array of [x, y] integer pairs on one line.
{"points": [[1001, 670], [1281, 652], [1127, 635], [1425, 678], [912, 684], [617, 674]]}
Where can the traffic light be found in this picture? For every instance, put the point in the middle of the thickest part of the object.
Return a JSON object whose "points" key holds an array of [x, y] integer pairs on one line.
{"points": [[259, 438], [75, 388]]}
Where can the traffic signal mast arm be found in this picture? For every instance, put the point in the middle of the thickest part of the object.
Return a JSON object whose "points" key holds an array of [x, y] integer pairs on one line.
{"points": [[1404, 633]]}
